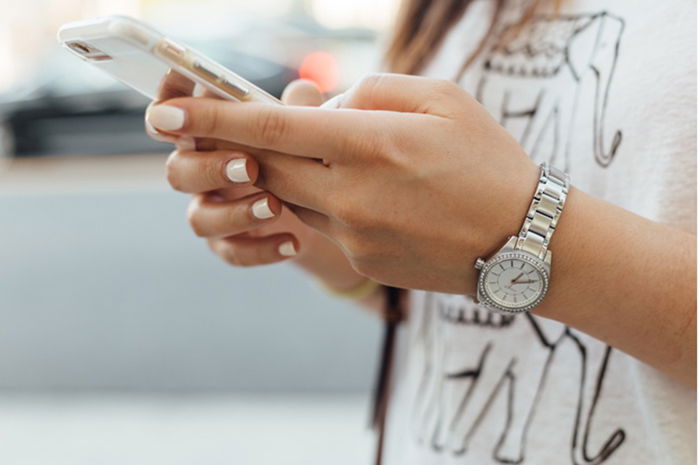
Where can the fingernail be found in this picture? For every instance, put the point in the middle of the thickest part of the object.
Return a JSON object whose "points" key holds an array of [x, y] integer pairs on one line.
{"points": [[166, 117], [261, 209], [157, 135], [151, 130], [236, 170], [186, 143], [287, 249]]}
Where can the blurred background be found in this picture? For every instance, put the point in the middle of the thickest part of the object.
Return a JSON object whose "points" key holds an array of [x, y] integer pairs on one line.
{"points": [[123, 340]]}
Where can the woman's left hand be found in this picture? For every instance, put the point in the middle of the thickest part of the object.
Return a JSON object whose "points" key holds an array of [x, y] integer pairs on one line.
{"points": [[417, 179]]}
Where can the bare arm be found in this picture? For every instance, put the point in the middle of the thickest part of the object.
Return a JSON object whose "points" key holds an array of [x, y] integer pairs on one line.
{"points": [[627, 281]]}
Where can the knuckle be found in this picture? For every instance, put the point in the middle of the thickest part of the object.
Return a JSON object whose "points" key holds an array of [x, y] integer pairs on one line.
{"points": [[366, 88], [194, 219], [271, 127], [379, 146], [238, 217], [172, 172], [258, 256], [231, 255], [396, 153], [446, 89], [211, 173], [374, 146], [205, 118], [372, 82]]}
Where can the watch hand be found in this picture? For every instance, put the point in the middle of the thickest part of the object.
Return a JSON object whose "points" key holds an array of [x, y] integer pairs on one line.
{"points": [[512, 281], [523, 282]]}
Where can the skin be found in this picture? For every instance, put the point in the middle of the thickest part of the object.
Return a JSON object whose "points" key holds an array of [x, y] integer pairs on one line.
{"points": [[236, 235], [411, 180]]}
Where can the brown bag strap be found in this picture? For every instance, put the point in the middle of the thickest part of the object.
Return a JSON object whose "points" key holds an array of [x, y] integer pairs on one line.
{"points": [[393, 315]]}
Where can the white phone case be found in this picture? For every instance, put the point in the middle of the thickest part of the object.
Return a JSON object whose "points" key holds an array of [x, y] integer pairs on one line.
{"points": [[146, 60]]}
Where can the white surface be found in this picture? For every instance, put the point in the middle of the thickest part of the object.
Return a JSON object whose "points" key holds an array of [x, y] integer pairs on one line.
{"points": [[173, 430]]}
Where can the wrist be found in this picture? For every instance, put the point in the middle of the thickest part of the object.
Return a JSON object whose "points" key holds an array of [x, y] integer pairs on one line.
{"points": [[505, 219], [516, 278]]}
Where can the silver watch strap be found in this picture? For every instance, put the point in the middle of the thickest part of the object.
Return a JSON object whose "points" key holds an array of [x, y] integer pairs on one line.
{"points": [[544, 211]]}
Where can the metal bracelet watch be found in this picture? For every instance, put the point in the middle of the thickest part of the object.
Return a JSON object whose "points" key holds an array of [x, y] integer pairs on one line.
{"points": [[516, 278]]}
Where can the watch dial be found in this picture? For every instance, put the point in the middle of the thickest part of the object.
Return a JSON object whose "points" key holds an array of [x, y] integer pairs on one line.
{"points": [[514, 283]]}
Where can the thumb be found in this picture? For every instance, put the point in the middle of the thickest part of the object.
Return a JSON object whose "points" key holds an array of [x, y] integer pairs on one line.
{"points": [[302, 92]]}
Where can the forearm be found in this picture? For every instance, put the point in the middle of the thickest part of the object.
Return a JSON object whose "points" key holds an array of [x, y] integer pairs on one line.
{"points": [[627, 281]]}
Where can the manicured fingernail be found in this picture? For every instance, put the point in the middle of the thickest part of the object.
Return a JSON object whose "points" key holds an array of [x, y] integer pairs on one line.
{"points": [[236, 170], [186, 143], [157, 135], [287, 249], [166, 117], [261, 209], [151, 130]]}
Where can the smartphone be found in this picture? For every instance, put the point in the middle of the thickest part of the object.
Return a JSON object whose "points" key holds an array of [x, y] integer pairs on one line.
{"points": [[154, 65]]}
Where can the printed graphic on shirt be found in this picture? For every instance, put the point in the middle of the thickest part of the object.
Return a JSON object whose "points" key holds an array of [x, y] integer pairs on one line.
{"points": [[457, 391], [551, 77], [556, 56]]}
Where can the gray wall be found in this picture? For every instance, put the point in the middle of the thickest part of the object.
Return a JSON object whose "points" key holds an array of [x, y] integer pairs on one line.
{"points": [[112, 291]]}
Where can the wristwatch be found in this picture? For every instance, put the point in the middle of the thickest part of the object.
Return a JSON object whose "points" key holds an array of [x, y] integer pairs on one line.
{"points": [[516, 278]]}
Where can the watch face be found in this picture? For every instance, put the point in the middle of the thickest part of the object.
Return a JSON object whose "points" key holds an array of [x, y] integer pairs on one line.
{"points": [[513, 282]]}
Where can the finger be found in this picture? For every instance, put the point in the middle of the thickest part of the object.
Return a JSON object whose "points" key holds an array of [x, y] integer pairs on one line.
{"points": [[397, 92], [254, 251], [214, 218], [174, 85], [303, 131], [195, 172], [302, 92], [183, 142], [296, 180]]}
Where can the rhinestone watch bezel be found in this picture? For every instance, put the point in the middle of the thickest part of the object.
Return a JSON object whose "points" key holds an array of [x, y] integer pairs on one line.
{"points": [[538, 264]]}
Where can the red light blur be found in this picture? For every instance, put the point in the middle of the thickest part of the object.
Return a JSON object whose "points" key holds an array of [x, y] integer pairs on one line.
{"points": [[321, 68]]}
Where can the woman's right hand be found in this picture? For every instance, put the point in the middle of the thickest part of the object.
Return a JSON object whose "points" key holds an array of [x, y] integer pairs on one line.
{"points": [[244, 225]]}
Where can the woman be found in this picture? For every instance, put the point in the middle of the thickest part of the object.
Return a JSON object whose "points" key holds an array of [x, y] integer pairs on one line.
{"points": [[411, 181]]}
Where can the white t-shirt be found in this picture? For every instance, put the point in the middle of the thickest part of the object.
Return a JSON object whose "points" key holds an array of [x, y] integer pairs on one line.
{"points": [[606, 91]]}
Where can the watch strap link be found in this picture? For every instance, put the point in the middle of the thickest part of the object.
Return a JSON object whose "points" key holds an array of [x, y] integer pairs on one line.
{"points": [[544, 212]]}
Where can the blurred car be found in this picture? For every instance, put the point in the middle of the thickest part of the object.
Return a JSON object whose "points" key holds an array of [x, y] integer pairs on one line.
{"points": [[72, 108]]}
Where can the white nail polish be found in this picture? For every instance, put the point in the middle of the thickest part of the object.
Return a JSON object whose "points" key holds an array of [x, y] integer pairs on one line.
{"points": [[155, 135], [236, 170], [166, 117], [287, 249], [150, 129], [186, 143], [261, 209]]}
